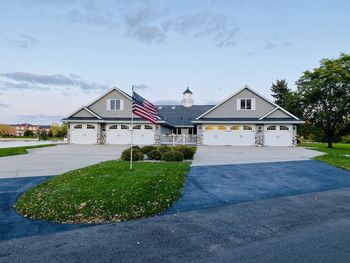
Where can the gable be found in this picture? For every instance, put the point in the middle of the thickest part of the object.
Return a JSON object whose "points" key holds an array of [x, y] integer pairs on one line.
{"points": [[278, 114], [83, 113], [100, 105], [228, 109]]}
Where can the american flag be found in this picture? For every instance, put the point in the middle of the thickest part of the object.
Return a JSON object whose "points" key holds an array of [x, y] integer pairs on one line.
{"points": [[143, 108]]}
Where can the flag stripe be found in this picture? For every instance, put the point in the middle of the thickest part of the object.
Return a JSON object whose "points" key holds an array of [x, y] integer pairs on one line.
{"points": [[144, 111], [154, 121], [143, 108]]}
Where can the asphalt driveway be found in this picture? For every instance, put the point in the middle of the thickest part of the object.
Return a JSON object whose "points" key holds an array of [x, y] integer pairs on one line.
{"points": [[217, 185], [13, 225]]}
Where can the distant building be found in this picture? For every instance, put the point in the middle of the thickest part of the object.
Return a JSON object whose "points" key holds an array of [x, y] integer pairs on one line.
{"points": [[20, 129]]}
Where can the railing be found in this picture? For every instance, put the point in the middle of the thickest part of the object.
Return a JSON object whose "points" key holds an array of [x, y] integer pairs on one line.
{"points": [[178, 139]]}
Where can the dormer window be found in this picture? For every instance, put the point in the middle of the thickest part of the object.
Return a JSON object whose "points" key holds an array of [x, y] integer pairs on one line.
{"points": [[115, 105], [246, 104]]}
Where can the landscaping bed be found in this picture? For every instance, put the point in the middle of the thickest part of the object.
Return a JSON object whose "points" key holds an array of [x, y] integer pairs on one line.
{"points": [[337, 156], [156, 153], [21, 149], [106, 192]]}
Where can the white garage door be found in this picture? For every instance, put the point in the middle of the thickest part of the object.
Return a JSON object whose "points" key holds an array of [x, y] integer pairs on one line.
{"points": [[121, 134], [239, 135], [83, 133], [278, 135]]}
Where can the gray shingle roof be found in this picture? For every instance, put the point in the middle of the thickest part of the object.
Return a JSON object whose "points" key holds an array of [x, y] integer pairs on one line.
{"points": [[179, 115]]}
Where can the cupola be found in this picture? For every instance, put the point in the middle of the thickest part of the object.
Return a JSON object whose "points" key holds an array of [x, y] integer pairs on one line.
{"points": [[187, 100]]}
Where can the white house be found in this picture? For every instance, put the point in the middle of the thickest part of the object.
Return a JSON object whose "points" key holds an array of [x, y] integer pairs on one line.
{"points": [[245, 118]]}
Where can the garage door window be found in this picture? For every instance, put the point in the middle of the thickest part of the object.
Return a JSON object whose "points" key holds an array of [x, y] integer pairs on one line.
{"points": [[78, 126], [148, 127], [90, 127], [221, 128], [271, 128], [234, 128], [137, 127], [247, 128], [124, 127], [209, 127], [113, 127], [284, 128]]}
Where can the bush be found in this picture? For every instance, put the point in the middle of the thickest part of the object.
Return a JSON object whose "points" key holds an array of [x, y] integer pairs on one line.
{"points": [[173, 156], [345, 139], [147, 149], [154, 155], [164, 148], [186, 151], [136, 147], [137, 155]]}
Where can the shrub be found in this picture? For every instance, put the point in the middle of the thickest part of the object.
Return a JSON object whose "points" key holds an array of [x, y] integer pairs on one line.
{"points": [[345, 139], [186, 151], [164, 148], [147, 149], [137, 155], [154, 155], [173, 156]]}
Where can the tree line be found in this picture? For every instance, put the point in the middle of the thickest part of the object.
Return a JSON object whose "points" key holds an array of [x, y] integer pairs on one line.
{"points": [[56, 131], [321, 98]]}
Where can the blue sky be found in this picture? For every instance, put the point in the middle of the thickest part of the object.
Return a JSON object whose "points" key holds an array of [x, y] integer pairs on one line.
{"points": [[59, 55]]}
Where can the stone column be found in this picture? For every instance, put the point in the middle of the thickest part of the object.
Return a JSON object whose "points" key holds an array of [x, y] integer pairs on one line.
{"points": [[157, 134], [199, 135]]}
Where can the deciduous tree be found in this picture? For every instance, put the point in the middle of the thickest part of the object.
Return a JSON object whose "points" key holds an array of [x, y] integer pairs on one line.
{"points": [[325, 95]]}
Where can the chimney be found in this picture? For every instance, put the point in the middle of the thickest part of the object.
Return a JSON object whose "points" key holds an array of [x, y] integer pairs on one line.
{"points": [[187, 100]]}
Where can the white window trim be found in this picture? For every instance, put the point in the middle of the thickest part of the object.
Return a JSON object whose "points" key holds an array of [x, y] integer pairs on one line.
{"points": [[252, 105], [121, 105]]}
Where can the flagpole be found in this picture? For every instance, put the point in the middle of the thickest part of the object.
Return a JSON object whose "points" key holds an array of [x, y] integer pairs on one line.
{"points": [[132, 129]]}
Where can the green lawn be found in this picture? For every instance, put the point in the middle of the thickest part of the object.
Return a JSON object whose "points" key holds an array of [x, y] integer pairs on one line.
{"points": [[20, 150], [334, 156], [106, 192]]}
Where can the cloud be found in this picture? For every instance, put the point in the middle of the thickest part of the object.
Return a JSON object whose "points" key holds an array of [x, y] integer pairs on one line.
{"points": [[26, 80], [21, 41], [4, 105], [152, 26], [39, 118], [205, 24], [148, 34], [277, 41], [91, 18], [142, 87], [149, 21]]}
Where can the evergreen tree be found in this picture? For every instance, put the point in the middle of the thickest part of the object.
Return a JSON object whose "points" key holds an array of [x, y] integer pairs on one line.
{"points": [[280, 92]]}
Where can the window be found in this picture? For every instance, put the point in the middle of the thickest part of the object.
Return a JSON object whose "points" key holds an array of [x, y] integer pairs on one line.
{"points": [[221, 128], [78, 126], [247, 128], [234, 128], [114, 105], [209, 127], [271, 128], [284, 128], [246, 104], [124, 127], [148, 127], [137, 127], [113, 127], [90, 127]]}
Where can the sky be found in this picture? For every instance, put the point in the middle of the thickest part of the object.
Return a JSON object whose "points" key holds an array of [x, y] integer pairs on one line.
{"points": [[56, 56]]}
